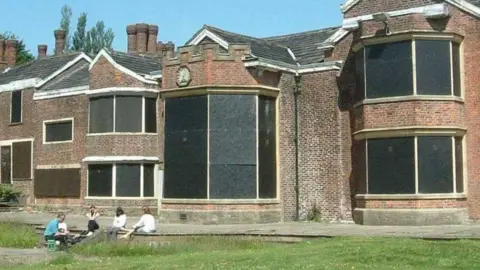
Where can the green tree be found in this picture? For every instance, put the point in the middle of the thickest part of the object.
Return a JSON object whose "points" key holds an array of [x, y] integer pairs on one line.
{"points": [[79, 38], [93, 40], [65, 24], [23, 55]]}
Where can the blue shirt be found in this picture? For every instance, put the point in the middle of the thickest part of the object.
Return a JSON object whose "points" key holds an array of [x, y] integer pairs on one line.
{"points": [[52, 227]]}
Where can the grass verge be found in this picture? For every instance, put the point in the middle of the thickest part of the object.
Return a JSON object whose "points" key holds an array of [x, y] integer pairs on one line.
{"points": [[337, 253], [14, 235]]}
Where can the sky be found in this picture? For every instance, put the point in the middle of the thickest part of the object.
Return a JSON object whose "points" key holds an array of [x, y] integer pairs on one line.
{"points": [[34, 21]]}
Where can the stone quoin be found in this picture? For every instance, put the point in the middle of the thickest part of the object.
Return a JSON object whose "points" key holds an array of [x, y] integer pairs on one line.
{"points": [[372, 122]]}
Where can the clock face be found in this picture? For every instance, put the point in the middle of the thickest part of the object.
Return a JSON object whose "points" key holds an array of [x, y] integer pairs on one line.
{"points": [[183, 76]]}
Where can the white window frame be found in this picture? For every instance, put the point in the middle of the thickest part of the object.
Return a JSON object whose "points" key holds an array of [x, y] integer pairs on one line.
{"points": [[114, 132], [414, 95], [21, 107], [114, 181], [58, 121], [415, 153]]}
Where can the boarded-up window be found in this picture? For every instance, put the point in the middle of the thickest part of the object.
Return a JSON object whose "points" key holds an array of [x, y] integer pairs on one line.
{"points": [[128, 114], [57, 183], [22, 160], [58, 131], [16, 107], [128, 180], [150, 115], [148, 180], [101, 115]]}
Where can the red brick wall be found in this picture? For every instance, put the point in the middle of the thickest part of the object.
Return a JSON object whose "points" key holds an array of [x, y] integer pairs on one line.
{"points": [[444, 113], [420, 203], [364, 7], [17, 131], [409, 113], [226, 206]]}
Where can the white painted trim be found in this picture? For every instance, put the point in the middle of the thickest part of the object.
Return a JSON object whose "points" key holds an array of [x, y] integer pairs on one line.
{"points": [[120, 159], [257, 146], [337, 36], [114, 180], [461, 4], [207, 33], [73, 91], [119, 198], [62, 69], [123, 69], [55, 121], [19, 85], [122, 134], [350, 22], [123, 90], [59, 166], [327, 66], [153, 77], [293, 56]]}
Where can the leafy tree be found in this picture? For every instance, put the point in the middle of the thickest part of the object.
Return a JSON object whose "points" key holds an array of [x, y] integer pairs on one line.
{"points": [[93, 40], [65, 24], [79, 39], [23, 55]]}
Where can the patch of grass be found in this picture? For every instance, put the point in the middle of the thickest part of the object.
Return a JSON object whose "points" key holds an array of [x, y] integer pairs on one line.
{"points": [[336, 253], [184, 245], [14, 235], [62, 259]]}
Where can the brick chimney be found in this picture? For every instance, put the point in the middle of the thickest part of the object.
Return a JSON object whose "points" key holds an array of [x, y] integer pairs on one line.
{"points": [[59, 41], [160, 46], [152, 38], [3, 63], [142, 37], [132, 38], [42, 51], [11, 52]]}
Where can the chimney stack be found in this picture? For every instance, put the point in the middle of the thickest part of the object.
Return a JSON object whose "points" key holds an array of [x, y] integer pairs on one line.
{"points": [[152, 38], [11, 52], [142, 38], [160, 47], [132, 38], [42, 51], [59, 41]]}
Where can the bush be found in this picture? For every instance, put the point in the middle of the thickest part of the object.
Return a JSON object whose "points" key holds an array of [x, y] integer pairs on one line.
{"points": [[9, 193]]}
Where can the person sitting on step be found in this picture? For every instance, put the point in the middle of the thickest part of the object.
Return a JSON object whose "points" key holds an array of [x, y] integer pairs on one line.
{"points": [[92, 216], [52, 231], [146, 224]]}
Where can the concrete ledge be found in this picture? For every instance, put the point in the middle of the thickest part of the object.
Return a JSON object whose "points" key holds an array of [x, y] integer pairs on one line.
{"points": [[220, 217], [411, 217]]}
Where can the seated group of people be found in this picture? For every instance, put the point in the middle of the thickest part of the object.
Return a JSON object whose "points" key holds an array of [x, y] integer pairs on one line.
{"points": [[57, 229]]}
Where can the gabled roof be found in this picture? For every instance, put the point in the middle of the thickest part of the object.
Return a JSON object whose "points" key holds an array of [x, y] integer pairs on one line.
{"points": [[470, 6], [259, 47], [141, 64], [138, 66], [304, 45], [40, 68], [75, 76]]}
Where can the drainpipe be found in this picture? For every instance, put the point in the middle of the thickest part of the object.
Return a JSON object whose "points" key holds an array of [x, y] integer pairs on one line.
{"points": [[296, 92]]}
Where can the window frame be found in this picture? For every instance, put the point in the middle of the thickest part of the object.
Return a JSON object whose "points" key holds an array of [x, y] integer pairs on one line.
{"points": [[10, 143], [21, 107], [143, 112], [454, 168], [58, 121], [452, 38], [114, 181]]}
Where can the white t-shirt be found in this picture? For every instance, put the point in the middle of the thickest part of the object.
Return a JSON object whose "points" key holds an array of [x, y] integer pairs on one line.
{"points": [[147, 223], [120, 221], [63, 226]]}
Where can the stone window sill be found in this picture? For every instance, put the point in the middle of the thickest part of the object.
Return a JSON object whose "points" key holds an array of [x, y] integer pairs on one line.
{"points": [[408, 98], [409, 196], [220, 201]]}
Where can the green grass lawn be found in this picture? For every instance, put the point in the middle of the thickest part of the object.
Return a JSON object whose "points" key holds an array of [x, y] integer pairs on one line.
{"points": [[227, 253], [13, 235]]}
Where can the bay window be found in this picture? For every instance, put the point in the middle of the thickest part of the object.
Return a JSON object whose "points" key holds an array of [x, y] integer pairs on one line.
{"points": [[415, 165], [123, 113], [422, 67]]}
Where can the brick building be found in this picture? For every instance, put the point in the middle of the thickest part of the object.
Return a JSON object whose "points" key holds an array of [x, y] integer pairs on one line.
{"points": [[373, 121]]}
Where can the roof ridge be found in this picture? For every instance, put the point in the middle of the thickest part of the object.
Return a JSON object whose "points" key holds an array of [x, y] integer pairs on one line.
{"points": [[242, 35], [143, 56], [43, 59], [301, 33]]}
